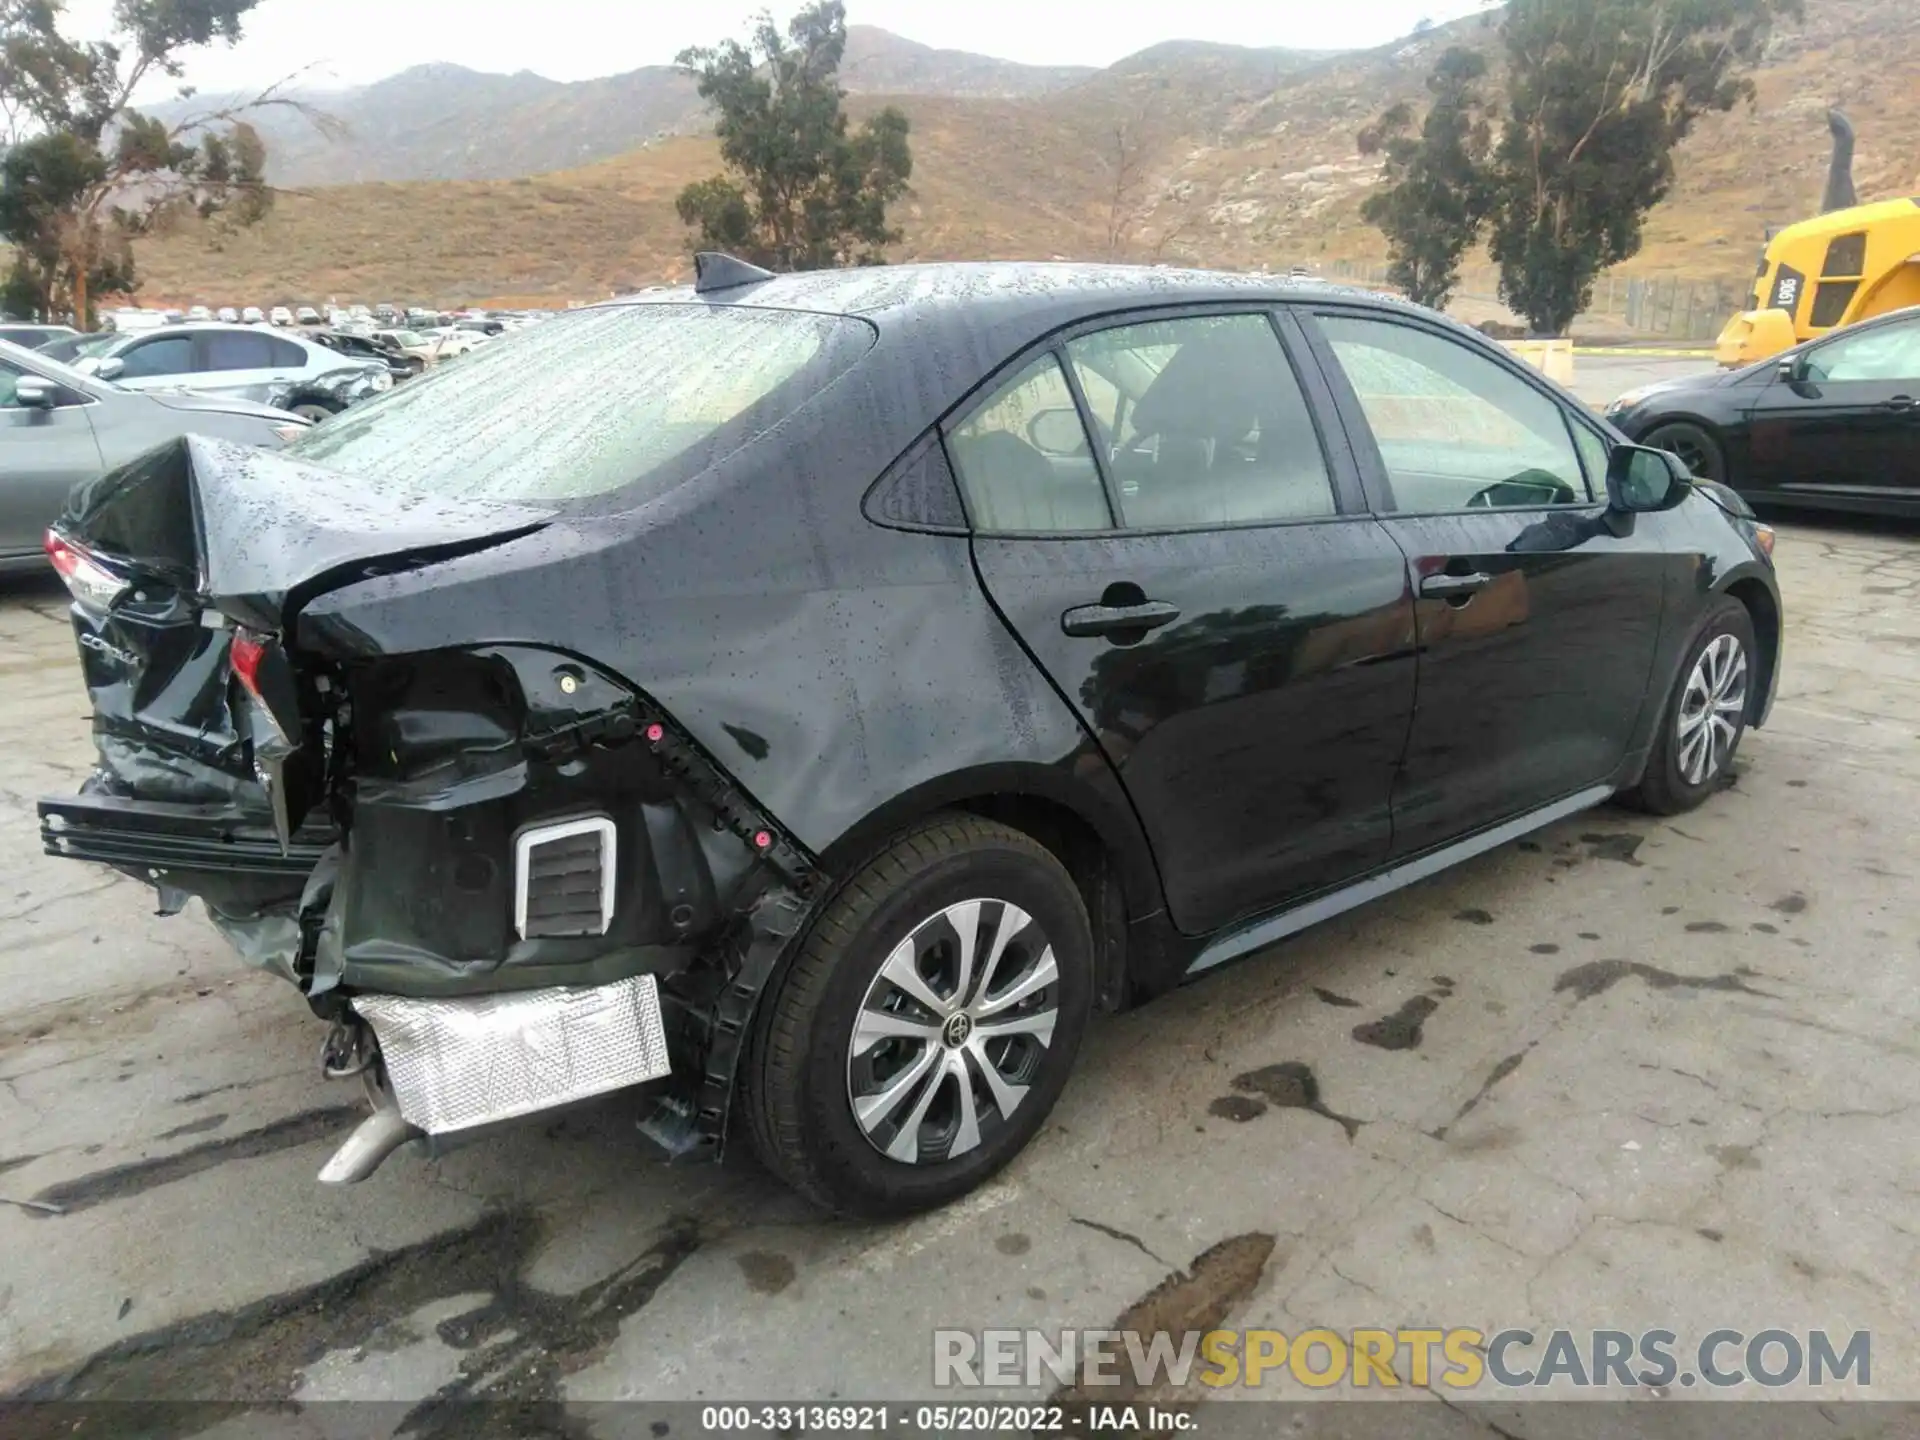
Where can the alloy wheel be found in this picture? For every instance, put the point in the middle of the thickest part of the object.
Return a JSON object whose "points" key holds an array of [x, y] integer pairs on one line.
{"points": [[954, 1031], [1711, 709]]}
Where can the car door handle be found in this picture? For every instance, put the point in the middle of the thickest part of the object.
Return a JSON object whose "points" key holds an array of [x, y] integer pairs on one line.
{"points": [[1441, 587], [1085, 620], [1899, 402]]}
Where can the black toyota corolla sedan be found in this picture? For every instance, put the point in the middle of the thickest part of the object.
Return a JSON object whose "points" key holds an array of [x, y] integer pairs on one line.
{"points": [[1832, 424], [811, 697]]}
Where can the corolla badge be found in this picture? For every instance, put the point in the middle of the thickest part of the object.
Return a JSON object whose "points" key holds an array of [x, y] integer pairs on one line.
{"points": [[112, 652]]}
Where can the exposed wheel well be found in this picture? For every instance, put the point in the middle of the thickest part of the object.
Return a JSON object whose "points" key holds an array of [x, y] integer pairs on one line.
{"points": [[1766, 633], [1078, 846]]}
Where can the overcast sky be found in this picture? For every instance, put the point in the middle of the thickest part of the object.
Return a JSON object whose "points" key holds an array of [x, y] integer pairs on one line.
{"points": [[353, 41]]}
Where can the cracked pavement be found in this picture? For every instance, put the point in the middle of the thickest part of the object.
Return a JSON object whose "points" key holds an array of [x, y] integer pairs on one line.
{"points": [[1661, 1074]]}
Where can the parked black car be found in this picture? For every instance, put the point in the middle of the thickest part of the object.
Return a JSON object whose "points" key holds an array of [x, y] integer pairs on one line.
{"points": [[820, 693], [1833, 423]]}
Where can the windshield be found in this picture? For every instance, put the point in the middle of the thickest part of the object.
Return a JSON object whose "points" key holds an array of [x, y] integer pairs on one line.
{"points": [[600, 400]]}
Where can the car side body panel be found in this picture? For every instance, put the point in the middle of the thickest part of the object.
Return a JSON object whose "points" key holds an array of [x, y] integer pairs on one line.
{"points": [[1851, 446]]}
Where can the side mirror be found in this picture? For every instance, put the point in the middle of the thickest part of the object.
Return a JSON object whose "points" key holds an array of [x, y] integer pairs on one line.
{"points": [[1057, 432], [30, 392], [1790, 370], [1639, 479], [108, 368]]}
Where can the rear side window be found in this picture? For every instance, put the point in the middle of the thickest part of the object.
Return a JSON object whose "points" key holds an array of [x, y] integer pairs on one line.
{"points": [[1023, 458], [285, 354], [623, 397], [236, 350], [1203, 422], [1456, 430]]}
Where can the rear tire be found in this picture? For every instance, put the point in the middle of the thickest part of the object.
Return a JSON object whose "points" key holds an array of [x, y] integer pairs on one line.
{"points": [[1699, 450], [1705, 715], [872, 1097]]}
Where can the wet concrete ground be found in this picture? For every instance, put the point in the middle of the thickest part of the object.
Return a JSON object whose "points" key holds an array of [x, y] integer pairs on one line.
{"points": [[1628, 1073]]}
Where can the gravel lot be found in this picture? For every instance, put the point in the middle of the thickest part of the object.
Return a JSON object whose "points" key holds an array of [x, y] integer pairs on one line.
{"points": [[1647, 1073]]}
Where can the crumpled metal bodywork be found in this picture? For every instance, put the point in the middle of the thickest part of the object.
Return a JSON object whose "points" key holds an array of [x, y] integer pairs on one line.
{"points": [[348, 384]]}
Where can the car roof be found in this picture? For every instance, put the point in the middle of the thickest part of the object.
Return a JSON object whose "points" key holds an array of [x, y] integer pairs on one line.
{"points": [[986, 288], [960, 320], [204, 327]]}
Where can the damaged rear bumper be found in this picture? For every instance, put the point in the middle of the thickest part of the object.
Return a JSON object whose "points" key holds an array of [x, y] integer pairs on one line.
{"points": [[586, 904], [443, 1067]]}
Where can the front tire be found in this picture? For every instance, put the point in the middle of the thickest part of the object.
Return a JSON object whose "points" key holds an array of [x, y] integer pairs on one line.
{"points": [[315, 410], [927, 1024], [1696, 446], [1705, 715]]}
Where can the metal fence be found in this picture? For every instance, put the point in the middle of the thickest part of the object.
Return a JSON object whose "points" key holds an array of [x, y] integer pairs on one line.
{"points": [[1657, 306]]}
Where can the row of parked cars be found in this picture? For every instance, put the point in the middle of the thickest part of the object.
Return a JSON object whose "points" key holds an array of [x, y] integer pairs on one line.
{"points": [[74, 403]]}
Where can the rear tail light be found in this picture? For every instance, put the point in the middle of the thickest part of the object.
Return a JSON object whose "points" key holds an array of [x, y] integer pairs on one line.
{"points": [[245, 655], [260, 665], [89, 581]]}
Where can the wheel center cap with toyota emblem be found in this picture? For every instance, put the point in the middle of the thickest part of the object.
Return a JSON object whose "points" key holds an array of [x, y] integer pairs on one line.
{"points": [[956, 1031]]}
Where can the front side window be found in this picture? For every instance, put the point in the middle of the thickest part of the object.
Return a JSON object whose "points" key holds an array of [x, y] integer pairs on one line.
{"points": [[169, 355], [1891, 352], [635, 398], [1593, 457], [1203, 422], [1023, 459], [9, 380], [1456, 430]]}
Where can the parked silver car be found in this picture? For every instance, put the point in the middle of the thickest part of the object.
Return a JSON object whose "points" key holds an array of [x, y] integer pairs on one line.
{"points": [[59, 427], [288, 372]]}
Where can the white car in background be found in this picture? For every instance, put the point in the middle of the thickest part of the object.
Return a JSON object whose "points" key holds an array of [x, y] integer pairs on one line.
{"points": [[252, 316], [451, 340], [307, 315], [228, 315], [280, 315], [287, 372], [199, 312]]}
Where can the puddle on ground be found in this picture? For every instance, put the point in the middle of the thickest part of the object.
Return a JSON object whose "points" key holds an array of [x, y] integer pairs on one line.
{"points": [[1596, 977], [1288, 1085], [1402, 1029]]}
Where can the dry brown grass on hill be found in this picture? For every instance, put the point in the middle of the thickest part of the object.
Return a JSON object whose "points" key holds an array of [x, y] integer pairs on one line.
{"points": [[1240, 161]]}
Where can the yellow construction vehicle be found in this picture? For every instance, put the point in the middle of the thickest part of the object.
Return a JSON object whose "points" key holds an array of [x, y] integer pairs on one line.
{"points": [[1847, 263]]}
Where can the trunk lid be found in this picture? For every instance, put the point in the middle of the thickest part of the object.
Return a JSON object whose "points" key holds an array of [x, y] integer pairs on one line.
{"points": [[198, 554]]}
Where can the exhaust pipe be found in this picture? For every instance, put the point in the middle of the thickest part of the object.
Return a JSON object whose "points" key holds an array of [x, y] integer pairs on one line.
{"points": [[372, 1140]]}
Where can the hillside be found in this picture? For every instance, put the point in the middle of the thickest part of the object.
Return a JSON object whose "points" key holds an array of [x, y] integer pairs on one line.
{"points": [[446, 122], [1231, 157]]}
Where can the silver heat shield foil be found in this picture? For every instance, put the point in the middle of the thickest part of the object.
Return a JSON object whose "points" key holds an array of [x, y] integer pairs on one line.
{"points": [[454, 1064]]}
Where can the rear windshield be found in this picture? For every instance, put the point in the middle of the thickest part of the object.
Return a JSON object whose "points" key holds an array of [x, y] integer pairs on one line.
{"points": [[613, 398]]}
